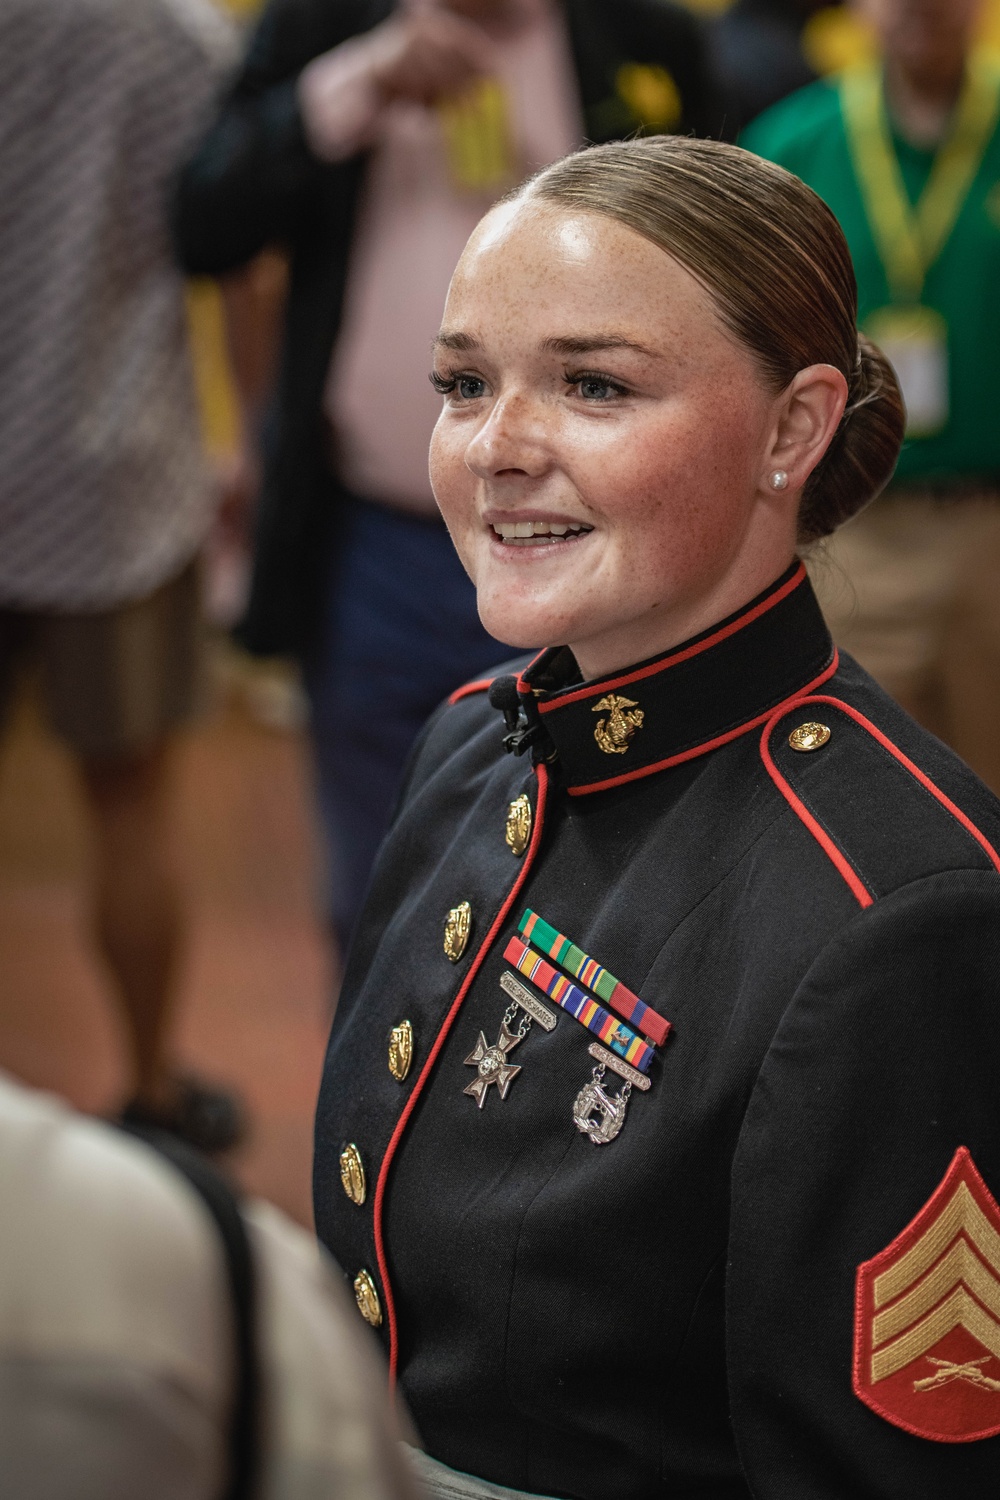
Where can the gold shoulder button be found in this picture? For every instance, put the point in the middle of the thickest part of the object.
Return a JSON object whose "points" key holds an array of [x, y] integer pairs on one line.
{"points": [[366, 1296], [400, 1050], [517, 830], [352, 1174], [810, 736], [457, 927]]}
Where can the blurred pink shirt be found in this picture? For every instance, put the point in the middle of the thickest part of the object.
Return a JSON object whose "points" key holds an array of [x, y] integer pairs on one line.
{"points": [[412, 226]]}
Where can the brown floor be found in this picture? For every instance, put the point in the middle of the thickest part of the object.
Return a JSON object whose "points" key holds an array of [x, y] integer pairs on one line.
{"points": [[254, 1003]]}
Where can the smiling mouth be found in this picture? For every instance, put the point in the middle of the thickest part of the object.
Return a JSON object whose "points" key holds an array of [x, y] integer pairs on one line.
{"points": [[538, 533]]}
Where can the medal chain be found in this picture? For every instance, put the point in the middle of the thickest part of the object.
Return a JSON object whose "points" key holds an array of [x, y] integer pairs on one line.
{"points": [[510, 1015], [624, 1093]]}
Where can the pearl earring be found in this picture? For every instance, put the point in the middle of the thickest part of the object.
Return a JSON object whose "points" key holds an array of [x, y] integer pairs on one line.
{"points": [[779, 480]]}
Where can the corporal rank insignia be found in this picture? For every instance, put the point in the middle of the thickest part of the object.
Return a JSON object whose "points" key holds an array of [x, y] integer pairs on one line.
{"points": [[927, 1316]]}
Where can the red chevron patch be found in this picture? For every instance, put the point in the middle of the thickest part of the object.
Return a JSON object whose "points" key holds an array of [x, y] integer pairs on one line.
{"points": [[927, 1316]]}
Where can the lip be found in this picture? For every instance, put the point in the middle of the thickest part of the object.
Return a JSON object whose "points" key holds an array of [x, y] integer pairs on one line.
{"points": [[496, 517]]}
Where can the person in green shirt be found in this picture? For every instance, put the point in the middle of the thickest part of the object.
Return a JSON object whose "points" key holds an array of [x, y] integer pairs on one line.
{"points": [[906, 151]]}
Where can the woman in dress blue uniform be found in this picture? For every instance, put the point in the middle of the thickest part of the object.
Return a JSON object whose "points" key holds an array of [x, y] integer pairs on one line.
{"points": [[658, 1132]]}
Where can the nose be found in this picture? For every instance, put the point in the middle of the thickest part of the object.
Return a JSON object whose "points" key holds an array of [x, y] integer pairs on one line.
{"points": [[510, 443]]}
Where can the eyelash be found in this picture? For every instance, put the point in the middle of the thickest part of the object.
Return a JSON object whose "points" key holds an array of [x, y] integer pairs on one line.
{"points": [[445, 385], [578, 377]]}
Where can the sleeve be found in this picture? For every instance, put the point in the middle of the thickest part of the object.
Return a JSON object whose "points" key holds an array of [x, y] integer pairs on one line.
{"points": [[253, 181], [115, 1338], [852, 1173]]}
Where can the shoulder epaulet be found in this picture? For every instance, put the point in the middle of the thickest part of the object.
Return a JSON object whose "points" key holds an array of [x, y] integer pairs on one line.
{"points": [[880, 818]]}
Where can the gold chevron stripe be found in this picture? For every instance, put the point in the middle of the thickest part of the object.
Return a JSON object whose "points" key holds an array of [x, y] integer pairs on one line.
{"points": [[958, 1310], [961, 1264], [961, 1212]]}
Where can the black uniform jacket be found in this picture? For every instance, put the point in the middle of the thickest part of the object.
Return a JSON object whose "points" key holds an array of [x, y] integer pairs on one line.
{"points": [[253, 182], [673, 1312]]}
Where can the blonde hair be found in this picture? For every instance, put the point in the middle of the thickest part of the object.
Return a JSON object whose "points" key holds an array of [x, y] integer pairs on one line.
{"points": [[775, 262]]}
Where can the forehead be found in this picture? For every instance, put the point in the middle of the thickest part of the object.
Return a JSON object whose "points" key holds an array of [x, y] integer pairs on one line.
{"points": [[531, 265]]}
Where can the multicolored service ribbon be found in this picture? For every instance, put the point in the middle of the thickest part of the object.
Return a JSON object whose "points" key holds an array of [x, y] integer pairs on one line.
{"points": [[613, 1033], [589, 972]]}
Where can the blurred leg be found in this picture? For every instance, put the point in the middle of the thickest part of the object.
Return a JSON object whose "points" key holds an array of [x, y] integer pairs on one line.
{"points": [[119, 683], [909, 589], [400, 632], [137, 905], [972, 657], [887, 583]]}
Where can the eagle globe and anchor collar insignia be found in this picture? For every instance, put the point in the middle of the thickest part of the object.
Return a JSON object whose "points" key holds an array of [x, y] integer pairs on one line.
{"points": [[624, 717], [927, 1316]]}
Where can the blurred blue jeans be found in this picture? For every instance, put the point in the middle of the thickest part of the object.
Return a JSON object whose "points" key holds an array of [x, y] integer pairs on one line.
{"points": [[400, 631]]}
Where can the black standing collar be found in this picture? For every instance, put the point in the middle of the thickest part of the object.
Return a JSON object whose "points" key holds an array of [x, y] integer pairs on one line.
{"points": [[710, 689]]}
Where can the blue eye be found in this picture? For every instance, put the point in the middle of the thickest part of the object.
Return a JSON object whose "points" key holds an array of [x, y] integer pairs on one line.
{"points": [[595, 387], [470, 387]]}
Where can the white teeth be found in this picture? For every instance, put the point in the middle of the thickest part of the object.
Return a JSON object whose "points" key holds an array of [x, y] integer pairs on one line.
{"points": [[525, 530]]}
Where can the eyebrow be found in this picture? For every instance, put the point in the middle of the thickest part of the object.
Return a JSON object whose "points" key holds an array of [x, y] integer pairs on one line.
{"points": [[583, 344], [587, 343], [461, 342]]}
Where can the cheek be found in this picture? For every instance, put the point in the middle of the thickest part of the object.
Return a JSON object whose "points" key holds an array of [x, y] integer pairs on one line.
{"points": [[451, 479], [686, 467]]}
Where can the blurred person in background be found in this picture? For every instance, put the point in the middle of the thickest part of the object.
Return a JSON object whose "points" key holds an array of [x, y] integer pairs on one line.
{"points": [[757, 52], [906, 151], [105, 497], [369, 138], [158, 1341]]}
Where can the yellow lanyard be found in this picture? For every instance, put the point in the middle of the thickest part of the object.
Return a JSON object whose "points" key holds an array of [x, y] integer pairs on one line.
{"points": [[909, 239], [477, 132]]}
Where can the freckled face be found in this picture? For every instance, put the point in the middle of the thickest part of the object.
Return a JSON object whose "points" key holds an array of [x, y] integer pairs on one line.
{"points": [[599, 452]]}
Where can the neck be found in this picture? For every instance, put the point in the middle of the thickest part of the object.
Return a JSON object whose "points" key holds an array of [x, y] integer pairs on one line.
{"points": [[652, 636], [921, 97]]}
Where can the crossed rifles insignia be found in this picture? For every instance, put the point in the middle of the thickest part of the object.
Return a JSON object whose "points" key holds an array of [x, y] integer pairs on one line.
{"points": [[927, 1324]]}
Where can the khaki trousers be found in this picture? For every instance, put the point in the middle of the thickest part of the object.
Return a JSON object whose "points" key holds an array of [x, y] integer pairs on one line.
{"points": [[911, 589]]}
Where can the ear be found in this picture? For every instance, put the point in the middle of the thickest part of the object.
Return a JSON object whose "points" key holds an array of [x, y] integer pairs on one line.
{"points": [[808, 414]]}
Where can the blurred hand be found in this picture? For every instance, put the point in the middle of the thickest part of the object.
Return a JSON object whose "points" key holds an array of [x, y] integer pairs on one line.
{"points": [[426, 54]]}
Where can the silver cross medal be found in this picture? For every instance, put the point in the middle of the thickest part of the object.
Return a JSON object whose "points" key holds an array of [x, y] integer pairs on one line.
{"points": [[492, 1065]]}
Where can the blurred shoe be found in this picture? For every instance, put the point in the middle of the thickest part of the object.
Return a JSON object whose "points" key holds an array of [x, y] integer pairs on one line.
{"points": [[208, 1118]]}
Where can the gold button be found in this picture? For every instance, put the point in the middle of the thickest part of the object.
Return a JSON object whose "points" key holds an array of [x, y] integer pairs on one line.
{"points": [[366, 1296], [517, 831], [400, 1050], [457, 926], [352, 1174], [809, 736]]}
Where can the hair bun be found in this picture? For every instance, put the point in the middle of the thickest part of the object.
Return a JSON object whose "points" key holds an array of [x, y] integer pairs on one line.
{"points": [[860, 460]]}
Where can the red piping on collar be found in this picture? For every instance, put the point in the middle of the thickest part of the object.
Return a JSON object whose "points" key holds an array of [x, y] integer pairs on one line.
{"points": [[479, 686], [664, 664], [525, 688], [439, 1041], [858, 888], [707, 745]]}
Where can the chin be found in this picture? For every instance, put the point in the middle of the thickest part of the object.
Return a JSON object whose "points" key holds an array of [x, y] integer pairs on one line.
{"points": [[522, 629]]}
